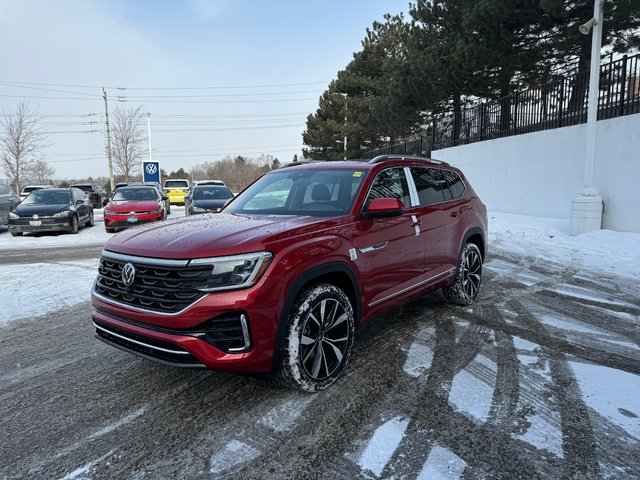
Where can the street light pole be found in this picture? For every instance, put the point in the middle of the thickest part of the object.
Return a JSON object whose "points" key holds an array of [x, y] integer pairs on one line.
{"points": [[149, 134], [586, 205], [345, 121]]}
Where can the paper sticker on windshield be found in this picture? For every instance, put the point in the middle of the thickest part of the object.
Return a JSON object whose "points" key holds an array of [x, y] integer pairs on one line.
{"points": [[357, 174]]}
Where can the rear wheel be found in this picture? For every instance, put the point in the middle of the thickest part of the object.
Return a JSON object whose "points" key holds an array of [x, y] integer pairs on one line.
{"points": [[466, 286], [319, 339]]}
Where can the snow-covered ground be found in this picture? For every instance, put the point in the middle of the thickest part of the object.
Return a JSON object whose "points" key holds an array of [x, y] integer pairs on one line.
{"points": [[68, 284]]}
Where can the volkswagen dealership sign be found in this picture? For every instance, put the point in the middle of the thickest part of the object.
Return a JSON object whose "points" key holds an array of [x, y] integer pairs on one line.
{"points": [[151, 172]]}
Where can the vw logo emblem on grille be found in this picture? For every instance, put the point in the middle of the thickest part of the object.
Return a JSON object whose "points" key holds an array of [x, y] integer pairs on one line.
{"points": [[128, 274], [151, 169], [35, 216]]}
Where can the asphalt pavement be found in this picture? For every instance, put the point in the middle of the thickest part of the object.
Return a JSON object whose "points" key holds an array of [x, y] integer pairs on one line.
{"points": [[506, 388]]}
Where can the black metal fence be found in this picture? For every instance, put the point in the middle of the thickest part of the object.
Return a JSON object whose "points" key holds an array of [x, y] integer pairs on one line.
{"points": [[559, 103]]}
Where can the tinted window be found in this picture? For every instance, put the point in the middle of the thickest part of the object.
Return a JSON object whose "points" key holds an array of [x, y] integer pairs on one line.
{"points": [[455, 183], [177, 184], [429, 187], [131, 193], [209, 192], [438, 176], [390, 183]]}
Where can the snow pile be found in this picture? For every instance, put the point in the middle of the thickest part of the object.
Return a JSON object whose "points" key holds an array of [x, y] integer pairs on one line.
{"points": [[606, 250]]}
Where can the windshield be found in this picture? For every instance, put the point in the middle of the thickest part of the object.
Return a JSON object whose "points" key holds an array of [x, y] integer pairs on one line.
{"points": [[48, 197], [180, 184], [301, 192], [135, 194], [85, 188], [208, 192]]}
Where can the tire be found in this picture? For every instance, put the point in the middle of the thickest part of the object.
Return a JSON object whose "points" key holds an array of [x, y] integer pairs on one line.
{"points": [[74, 227], [109, 230], [466, 286], [90, 222], [319, 338], [15, 234]]}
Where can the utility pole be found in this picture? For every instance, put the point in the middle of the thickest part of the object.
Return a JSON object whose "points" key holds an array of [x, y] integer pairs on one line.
{"points": [[586, 205], [106, 113]]}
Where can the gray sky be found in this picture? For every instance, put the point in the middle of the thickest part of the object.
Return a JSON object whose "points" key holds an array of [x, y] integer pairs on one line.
{"points": [[264, 64]]}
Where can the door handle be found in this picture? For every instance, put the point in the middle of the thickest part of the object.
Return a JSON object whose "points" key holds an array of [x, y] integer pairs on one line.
{"points": [[454, 214]]}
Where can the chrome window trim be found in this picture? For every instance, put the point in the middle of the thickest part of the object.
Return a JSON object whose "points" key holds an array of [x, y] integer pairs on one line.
{"points": [[404, 290], [153, 347], [413, 191]]}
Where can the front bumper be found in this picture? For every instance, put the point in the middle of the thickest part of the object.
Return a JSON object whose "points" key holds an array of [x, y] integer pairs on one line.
{"points": [[46, 225], [125, 220], [192, 337]]}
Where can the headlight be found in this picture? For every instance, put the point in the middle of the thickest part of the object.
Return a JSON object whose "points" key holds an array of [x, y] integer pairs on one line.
{"points": [[237, 271], [66, 213], [13, 215], [108, 212], [199, 210]]}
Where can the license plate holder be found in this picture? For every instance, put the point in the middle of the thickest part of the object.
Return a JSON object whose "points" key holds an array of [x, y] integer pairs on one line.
{"points": [[35, 223], [132, 219]]}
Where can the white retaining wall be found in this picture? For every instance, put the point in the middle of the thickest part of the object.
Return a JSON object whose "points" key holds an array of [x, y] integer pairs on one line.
{"points": [[538, 173]]}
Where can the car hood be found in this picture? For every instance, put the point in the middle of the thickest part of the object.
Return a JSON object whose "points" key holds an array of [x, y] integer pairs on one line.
{"points": [[209, 204], [40, 209], [126, 206], [211, 235]]}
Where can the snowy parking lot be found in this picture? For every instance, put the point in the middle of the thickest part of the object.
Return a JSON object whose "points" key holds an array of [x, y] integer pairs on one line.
{"points": [[540, 378]]}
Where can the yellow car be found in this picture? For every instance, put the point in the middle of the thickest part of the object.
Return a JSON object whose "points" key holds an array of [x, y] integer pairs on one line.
{"points": [[176, 189]]}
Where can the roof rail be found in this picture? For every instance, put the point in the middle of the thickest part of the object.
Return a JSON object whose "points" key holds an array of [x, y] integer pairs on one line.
{"points": [[382, 158], [303, 162]]}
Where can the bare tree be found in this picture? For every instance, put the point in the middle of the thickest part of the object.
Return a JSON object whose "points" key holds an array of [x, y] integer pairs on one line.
{"points": [[21, 143], [128, 141], [41, 172]]}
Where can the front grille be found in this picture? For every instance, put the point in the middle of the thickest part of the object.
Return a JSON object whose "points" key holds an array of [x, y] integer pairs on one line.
{"points": [[148, 347], [157, 288]]}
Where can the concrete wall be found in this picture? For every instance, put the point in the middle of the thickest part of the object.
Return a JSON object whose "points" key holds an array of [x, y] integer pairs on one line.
{"points": [[538, 173]]}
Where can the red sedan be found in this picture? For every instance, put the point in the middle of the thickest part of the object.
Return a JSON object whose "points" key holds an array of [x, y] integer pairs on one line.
{"points": [[133, 205]]}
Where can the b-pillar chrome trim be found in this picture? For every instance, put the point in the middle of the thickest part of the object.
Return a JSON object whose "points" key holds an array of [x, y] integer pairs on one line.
{"points": [[372, 248]]}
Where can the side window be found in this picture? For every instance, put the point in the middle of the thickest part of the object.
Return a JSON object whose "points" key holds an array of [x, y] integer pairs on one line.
{"points": [[429, 188], [438, 176], [390, 183], [455, 183]]}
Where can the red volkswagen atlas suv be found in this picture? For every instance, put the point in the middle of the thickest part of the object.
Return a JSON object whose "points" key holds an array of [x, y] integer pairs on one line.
{"points": [[278, 281]]}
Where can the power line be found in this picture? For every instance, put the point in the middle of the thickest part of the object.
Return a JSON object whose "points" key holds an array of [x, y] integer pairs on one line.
{"points": [[216, 87]]}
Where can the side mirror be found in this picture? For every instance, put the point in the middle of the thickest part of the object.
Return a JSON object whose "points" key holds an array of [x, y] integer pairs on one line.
{"points": [[383, 208], [79, 202], [165, 198]]}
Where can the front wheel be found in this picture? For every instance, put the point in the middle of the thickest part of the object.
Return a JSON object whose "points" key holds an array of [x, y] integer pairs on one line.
{"points": [[74, 227], [15, 234], [319, 339], [466, 286], [91, 221]]}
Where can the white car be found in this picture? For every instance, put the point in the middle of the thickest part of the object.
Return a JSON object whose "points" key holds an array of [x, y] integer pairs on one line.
{"points": [[32, 188]]}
